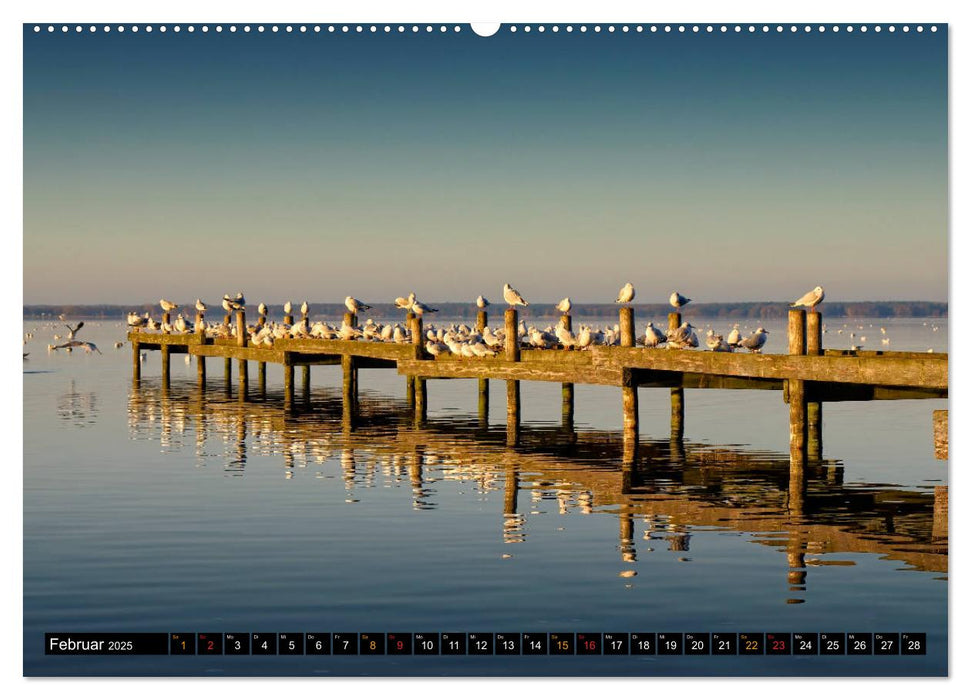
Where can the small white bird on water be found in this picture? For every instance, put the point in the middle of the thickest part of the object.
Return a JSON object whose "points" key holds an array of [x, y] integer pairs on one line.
{"points": [[811, 299], [512, 297], [626, 294], [481, 302], [565, 305], [354, 305], [677, 301]]}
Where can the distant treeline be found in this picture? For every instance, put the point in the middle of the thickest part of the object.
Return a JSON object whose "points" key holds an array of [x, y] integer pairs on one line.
{"points": [[731, 310]]}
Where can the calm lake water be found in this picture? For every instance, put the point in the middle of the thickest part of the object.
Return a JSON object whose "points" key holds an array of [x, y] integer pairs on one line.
{"points": [[174, 510]]}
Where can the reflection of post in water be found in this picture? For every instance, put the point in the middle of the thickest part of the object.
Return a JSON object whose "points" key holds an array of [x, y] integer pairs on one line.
{"points": [[626, 518], [416, 477], [939, 530], [796, 558], [512, 412], [349, 402], [797, 487], [240, 460], [679, 540], [306, 384], [512, 521], [483, 403], [287, 381]]}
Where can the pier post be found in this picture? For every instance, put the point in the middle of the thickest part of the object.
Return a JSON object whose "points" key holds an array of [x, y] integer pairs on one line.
{"points": [[814, 431], [421, 400], [261, 377], [228, 372], [136, 361], [288, 319], [241, 328], [940, 434], [306, 383], [243, 379], [166, 318], [349, 390], [166, 356], [677, 413], [417, 329], [674, 320], [512, 412], [814, 333], [567, 322], [797, 392], [410, 391], [631, 428], [201, 369], [483, 403], [200, 327], [481, 321], [797, 486], [287, 380], [939, 527], [627, 336], [567, 407], [350, 318], [512, 336]]}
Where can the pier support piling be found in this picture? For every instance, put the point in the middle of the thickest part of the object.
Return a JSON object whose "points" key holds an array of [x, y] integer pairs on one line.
{"points": [[512, 336], [201, 370], [481, 321], [677, 413], [166, 361], [798, 409], [627, 336], [288, 380], [483, 403], [241, 335], [674, 320], [261, 377], [228, 373], [512, 412], [421, 401], [631, 425], [814, 333], [410, 391], [306, 383], [136, 361], [567, 407], [814, 431], [243, 379], [349, 390]]}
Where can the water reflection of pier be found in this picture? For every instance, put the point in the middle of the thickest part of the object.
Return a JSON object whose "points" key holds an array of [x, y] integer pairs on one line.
{"points": [[670, 486]]}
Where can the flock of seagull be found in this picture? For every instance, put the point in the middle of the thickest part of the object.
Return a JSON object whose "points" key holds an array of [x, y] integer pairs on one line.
{"points": [[458, 339]]}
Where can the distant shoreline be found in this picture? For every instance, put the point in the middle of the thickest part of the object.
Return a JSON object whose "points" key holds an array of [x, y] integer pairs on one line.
{"points": [[736, 310]]}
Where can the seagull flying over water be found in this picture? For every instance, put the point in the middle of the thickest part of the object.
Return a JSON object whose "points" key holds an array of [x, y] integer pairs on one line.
{"points": [[78, 344], [565, 305], [626, 295], [72, 331], [512, 297], [811, 299], [677, 301]]}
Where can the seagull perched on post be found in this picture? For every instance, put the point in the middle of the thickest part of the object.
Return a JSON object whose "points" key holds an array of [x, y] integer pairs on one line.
{"points": [[677, 301], [305, 308], [626, 295], [167, 305], [236, 304], [200, 305], [512, 297], [354, 305], [481, 302], [287, 308], [262, 309], [811, 299], [406, 302], [565, 305], [421, 309]]}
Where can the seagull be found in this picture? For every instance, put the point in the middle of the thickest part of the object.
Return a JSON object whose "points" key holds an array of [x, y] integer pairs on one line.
{"points": [[755, 341], [565, 305], [241, 300], [512, 297], [734, 338], [354, 305], [200, 305], [167, 305], [652, 336], [677, 301], [236, 304], [287, 308], [78, 344], [72, 331], [481, 302], [406, 302], [227, 305], [811, 299], [626, 295], [305, 308], [421, 309], [262, 309]]}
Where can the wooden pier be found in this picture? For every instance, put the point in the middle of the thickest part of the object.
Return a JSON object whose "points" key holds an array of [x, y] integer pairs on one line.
{"points": [[807, 376]]}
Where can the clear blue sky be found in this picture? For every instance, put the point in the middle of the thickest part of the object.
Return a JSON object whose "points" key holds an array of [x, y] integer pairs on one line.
{"points": [[731, 167]]}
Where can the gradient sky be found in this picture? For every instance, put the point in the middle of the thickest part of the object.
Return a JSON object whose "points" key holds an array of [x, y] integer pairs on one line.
{"points": [[730, 167]]}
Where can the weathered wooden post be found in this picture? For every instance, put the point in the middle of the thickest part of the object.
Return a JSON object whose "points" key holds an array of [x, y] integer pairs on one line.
{"points": [[200, 326], [349, 391], [241, 328], [674, 320], [288, 319], [481, 321], [814, 431], [166, 319], [306, 383], [421, 400], [512, 335], [136, 361], [201, 370], [512, 412], [677, 412], [483, 403], [567, 322], [940, 434], [243, 379], [287, 380], [627, 327], [417, 329], [261, 377], [939, 529], [567, 408], [166, 356], [350, 318], [797, 486], [631, 429], [814, 333], [228, 373], [797, 392]]}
